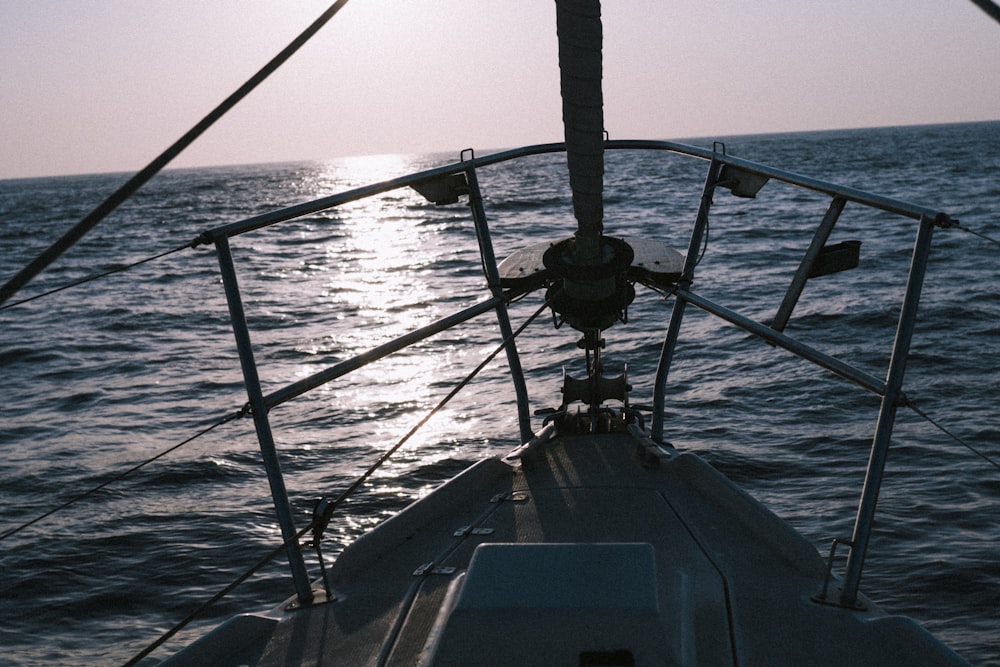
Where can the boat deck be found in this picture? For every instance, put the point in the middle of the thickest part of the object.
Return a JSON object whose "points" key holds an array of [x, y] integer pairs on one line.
{"points": [[585, 550]]}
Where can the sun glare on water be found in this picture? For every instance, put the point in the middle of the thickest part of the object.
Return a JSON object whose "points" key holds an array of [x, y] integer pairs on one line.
{"points": [[380, 278]]}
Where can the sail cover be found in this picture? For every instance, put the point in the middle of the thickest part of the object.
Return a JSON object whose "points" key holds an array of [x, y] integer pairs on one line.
{"points": [[578, 25]]}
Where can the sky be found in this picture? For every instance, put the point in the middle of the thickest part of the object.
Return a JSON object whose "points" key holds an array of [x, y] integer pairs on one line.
{"points": [[91, 86]]}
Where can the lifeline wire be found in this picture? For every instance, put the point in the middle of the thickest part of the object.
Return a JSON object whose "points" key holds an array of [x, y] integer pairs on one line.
{"points": [[96, 276], [119, 196], [331, 508], [105, 208], [121, 475], [318, 525], [215, 598], [913, 406], [979, 234]]}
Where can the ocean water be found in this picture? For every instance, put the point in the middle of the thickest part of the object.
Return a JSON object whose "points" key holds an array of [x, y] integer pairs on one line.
{"points": [[103, 376]]}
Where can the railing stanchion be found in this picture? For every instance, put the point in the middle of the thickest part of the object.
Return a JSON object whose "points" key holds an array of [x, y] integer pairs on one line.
{"points": [[677, 314], [802, 274], [887, 414], [493, 279], [268, 450]]}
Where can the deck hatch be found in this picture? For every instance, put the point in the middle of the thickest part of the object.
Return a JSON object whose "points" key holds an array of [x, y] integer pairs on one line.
{"points": [[566, 599]]}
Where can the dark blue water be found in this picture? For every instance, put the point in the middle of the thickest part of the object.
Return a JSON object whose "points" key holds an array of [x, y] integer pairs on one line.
{"points": [[108, 374]]}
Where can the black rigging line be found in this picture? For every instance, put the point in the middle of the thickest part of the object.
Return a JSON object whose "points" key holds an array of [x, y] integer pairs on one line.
{"points": [[95, 276], [913, 406], [991, 8], [979, 234], [120, 476], [321, 519], [77, 231], [215, 598], [332, 506]]}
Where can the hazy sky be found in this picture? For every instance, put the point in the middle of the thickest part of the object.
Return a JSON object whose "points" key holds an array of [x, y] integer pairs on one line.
{"points": [[105, 85]]}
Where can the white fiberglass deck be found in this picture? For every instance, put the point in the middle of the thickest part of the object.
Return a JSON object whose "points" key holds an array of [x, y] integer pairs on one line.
{"points": [[597, 550]]}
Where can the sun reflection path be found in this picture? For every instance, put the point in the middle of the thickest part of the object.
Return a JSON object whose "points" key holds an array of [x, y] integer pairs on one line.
{"points": [[377, 270], [383, 276]]}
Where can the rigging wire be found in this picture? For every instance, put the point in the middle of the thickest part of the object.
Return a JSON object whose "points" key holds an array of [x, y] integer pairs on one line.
{"points": [[319, 522], [991, 8], [121, 269], [979, 234], [94, 277], [122, 475], [332, 506], [913, 406], [119, 196], [215, 598]]}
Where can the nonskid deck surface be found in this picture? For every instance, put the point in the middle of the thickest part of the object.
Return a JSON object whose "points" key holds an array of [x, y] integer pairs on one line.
{"points": [[591, 554]]}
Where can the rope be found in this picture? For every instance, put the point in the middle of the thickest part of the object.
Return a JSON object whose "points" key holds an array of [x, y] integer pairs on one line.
{"points": [[319, 523], [120, 476], [913, 406], [215, 598], [94, 277], [119, 196], [331, 507], [704, 242]]}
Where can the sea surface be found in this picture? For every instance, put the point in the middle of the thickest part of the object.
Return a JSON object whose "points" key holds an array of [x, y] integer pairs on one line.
{"points": [[106, 375]]}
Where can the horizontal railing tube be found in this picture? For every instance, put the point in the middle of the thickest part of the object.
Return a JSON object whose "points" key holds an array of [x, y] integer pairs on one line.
{"points": [[677, 313], [899, 207], [343, 368], [843, 369], [315, 206]]}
